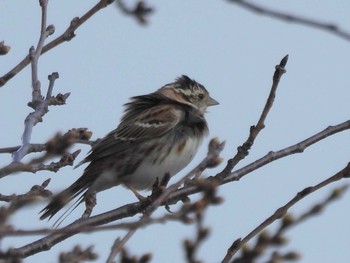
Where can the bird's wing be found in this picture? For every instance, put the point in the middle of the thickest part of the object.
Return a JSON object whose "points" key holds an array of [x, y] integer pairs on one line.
{"points": [[151, 123]]}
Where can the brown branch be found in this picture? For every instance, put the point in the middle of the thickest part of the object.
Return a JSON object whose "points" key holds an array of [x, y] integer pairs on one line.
{"points": [[67, 159], [18, 201], [243, 150], [82, 137], [66, 36], [116, 214], [56, 146], [33, 147], [288, 221], [132, 209], [261, 10], [296, 148], [179, 216], [266, 241], [282, 211]]}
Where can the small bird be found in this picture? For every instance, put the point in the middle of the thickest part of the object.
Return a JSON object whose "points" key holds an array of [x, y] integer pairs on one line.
{"points": [[159, 134]]}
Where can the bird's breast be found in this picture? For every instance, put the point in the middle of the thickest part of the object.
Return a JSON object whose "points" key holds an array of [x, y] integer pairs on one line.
{"points": [[166, 158]]}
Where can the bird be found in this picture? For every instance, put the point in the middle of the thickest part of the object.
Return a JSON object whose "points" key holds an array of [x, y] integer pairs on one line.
{"points": [[159, 133]]}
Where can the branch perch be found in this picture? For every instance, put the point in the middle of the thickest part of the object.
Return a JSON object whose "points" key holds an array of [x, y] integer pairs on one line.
{"points": [[282, 211]]}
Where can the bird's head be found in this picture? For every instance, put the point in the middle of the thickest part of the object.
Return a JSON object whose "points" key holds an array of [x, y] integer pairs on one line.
{"points": [[187, 91]]}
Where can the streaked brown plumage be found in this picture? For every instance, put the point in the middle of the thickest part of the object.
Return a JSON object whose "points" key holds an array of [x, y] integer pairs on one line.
{"points": [[158, 134]]}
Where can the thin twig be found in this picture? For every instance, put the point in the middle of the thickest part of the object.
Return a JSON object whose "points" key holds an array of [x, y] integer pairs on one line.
{"points": [[262, 10], [33, 147], [37, 103], [243, 150], [282, 211], [176, 216], [52, 79], [83, 137], [18, 201], [66, 36], [265, 240], [296, 148], [56, 146], [67, 159], [316, 209]]}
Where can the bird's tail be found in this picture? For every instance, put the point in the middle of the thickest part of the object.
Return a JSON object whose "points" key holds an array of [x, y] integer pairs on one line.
{"points": [[64, 197]]}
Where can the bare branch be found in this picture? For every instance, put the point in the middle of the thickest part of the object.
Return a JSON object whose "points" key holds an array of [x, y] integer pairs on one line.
{"points": [[243, 151], [282, 211], [288, 221], [66, 36], [82, 137], [37, 102], [34, 147], [266, 241], [56, 146], [327, 27], [121, 212], [52, 79], [179, 216], [18, 201], [132, 209], [35, 54], [296, 148], [67, 159]]}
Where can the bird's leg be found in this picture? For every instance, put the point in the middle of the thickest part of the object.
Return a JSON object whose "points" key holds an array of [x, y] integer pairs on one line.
{"points": [[90, 202], [140, 197]]}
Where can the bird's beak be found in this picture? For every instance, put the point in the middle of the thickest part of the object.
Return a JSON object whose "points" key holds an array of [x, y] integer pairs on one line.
{"points": [[212, 102]]}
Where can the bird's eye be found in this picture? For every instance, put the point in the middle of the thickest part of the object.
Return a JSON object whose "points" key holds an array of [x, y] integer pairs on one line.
{"points": [[200, 96]]}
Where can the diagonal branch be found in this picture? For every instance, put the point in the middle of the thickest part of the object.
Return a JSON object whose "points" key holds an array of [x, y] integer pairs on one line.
{"points": [[296, 148], [261, 10], [243, 151], [282, 211]]}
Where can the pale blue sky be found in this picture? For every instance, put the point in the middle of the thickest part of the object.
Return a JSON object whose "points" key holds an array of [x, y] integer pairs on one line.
{"points": [[233, 53]]}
